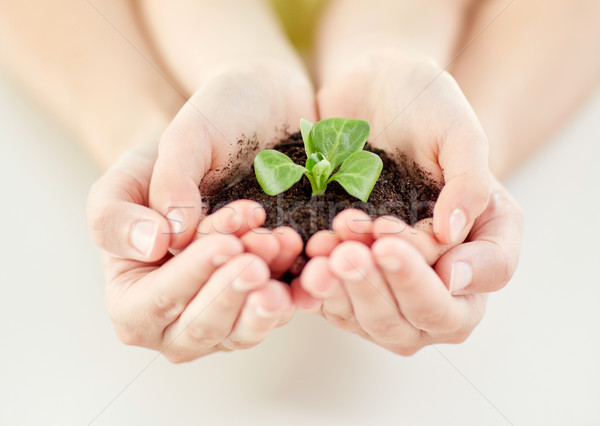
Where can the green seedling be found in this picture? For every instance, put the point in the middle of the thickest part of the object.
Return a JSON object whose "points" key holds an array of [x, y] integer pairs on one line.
{"points": [[334, 152]]}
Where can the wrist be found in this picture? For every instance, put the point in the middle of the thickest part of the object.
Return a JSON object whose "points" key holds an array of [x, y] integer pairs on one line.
{"points": [[270, 68], [381, 63]]}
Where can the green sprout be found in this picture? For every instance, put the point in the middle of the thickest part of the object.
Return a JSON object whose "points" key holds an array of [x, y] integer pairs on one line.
{"points": [[331, 144]]}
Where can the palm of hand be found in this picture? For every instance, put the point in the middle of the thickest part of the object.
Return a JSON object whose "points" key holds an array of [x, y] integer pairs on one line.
{"points": [[380, 286], [217, 292]]}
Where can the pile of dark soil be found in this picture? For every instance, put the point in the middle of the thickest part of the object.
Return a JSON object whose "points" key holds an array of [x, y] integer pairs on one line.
{"points": [[403, 190]]}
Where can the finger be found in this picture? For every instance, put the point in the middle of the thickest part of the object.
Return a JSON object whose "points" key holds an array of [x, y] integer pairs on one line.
{"points": [[303, 299], [319, 281], [289, 313], [321, 243], [421, 236], [118, 221], [236, 218], [372, 302], [261, 313], [422, 297], [141, 311], [184, 157], [354, 225], [290, 247], [463, 157], [263, 243], [488, 261], [210, 316]]}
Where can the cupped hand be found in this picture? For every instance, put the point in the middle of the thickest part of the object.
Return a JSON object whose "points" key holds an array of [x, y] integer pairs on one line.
{"points": [[375, 279], [215, 294], [215, 136], [418, 110]]}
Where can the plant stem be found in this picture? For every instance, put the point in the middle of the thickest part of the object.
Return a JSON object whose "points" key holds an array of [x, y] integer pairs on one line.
{"points": [[313, 185]]}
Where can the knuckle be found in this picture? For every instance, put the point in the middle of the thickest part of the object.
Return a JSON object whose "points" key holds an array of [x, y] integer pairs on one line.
{"points": [[178, 356], [129, 336], [384, 330], [166, 308], [434, 319], [479, 184], [341, 321], [225, 304], [408, 350], [175, 359], [203, 335], [238, 343], [506, 266], [97, 223]]}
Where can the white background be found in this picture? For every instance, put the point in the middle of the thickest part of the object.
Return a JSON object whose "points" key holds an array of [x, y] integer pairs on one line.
{"points": [[532, 361]]}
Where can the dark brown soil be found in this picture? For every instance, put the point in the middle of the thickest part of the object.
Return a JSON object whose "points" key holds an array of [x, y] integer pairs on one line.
{"points": [[403, 190]]}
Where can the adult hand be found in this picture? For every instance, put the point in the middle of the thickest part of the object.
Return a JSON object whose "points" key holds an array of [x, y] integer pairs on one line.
{"points": [[376, 278], [417, 109], [215, 136], [389, 294], [215, 294]]}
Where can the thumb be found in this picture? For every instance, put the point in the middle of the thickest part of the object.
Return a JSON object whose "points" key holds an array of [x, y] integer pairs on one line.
{"points": [[488, 260], [184, 157], [118, 220], [464, 160]]}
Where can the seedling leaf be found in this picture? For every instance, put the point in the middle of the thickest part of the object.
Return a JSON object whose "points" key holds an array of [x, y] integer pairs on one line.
{"points": [[321, 172], [359, 173], [338, 138], [276, 172], [305, 128], [313, 159]]}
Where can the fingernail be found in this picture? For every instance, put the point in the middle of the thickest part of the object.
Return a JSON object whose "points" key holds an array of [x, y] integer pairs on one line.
{"points": [[176, 221], [240, 284], [460, 276], [457, 222], [143, 236], [390, 263]]}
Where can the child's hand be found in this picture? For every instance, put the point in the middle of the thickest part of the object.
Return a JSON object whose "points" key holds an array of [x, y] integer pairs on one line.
{"points": [[366, 280], [213, 295], [417, 109]]}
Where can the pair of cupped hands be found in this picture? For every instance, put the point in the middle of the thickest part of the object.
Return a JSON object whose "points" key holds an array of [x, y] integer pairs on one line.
{"points": [[189, 284]]}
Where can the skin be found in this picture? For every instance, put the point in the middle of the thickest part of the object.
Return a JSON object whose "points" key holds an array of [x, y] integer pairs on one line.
{"points": [[174, 133], [490, 252], [213, 295], [382, 287], [376, 280], [551, 44], [186, 305]]}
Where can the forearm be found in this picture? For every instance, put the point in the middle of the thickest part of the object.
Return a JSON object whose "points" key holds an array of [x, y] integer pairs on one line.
{"points": [[200, 39], [97, 79], [528, 71], [352, 31]]}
